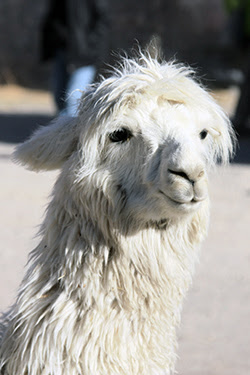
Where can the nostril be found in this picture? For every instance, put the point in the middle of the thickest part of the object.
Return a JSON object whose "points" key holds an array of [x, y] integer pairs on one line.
{"points": [[180, 174], [191, 177], [201, 174]]}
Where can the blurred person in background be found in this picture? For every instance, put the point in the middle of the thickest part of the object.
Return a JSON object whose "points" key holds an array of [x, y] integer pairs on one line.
{"points": [[75, 35], [240, 17]]}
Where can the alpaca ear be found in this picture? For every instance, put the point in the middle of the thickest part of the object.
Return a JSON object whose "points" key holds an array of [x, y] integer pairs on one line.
{"points": [[50, 146]]}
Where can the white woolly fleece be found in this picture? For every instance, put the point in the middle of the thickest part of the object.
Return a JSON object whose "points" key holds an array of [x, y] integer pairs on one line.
{"points": [[103, 290]]}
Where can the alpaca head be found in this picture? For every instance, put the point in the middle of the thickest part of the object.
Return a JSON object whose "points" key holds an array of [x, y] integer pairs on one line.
{"points": [[144, 139]]}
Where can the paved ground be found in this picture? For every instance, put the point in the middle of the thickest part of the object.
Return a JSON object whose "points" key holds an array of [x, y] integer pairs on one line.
{"points": [[215, 330]]}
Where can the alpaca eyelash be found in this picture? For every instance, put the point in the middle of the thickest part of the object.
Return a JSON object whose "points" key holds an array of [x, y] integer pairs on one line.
{"points": [[203, 134], [120, 135]]}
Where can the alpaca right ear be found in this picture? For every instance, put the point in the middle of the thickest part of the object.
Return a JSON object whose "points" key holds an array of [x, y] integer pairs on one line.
{"points": [[50, 146]]}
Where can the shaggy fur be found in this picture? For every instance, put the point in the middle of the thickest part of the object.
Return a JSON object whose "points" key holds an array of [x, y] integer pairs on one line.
{"points": [[103, 289]]}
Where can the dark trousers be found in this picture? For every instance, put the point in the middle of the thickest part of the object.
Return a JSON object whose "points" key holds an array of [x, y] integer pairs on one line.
{"points": [[60, 77]]}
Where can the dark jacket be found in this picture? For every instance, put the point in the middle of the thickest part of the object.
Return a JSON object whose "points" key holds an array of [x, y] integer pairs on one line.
{"points": [[80, 28]]}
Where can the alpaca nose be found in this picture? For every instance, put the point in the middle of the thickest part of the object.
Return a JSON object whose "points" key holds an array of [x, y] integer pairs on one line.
{"points": [[192, 177]]}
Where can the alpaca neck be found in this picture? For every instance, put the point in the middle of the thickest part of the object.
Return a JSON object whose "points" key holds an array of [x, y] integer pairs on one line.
{"points": [[78, 281]]}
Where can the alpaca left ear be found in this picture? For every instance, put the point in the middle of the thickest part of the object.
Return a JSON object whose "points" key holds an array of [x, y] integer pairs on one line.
{"points": [[50, 146]]}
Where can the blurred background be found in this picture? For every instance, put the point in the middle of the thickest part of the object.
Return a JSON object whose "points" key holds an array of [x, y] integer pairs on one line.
{"points": [[213, 37], [208, 34]]}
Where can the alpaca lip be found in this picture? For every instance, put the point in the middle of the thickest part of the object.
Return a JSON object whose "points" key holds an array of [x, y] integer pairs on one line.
{"points": [[192, 201], [197, 200], [171, 199]]}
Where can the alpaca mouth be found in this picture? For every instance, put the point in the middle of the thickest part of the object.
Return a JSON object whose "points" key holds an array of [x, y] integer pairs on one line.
{"points": [[193, 201]]}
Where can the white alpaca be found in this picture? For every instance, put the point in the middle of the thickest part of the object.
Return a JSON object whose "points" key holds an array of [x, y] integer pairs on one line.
{"points": [[103, 291]]}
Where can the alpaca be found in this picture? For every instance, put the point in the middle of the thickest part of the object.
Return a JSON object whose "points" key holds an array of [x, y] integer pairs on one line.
{"points": [[103, 290]]}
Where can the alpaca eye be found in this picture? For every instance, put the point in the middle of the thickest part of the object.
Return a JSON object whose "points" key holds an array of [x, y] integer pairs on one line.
{"points": [[120, 135], [203, 134]]}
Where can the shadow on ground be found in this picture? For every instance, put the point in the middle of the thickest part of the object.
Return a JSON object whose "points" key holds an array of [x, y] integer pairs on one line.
{"points": [[243, 151], [15, 128]]}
